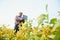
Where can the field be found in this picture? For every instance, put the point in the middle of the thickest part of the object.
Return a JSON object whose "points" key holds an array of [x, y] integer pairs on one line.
{"points": [[48, 31]]}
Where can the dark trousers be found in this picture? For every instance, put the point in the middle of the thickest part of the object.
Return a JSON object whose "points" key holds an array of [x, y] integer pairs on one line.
{"points": [[16, 28]]}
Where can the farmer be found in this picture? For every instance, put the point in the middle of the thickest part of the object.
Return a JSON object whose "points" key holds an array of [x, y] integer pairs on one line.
{"points": [[18, 20]]}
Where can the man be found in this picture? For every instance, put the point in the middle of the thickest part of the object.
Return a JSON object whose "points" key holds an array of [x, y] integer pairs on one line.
{"points": [[18, 20]]}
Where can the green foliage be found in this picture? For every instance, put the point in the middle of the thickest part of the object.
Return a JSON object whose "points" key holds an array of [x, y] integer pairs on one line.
{"points": [[28, 32], [46, 7], [53, 21], [57, 24], [57, 34], [41, 18]]}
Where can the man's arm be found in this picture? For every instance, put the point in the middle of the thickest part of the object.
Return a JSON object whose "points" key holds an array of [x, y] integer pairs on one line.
{"points": [[16, 19]]}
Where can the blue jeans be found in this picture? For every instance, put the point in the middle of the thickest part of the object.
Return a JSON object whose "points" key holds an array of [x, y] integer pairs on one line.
{"points": [[16, 28]]}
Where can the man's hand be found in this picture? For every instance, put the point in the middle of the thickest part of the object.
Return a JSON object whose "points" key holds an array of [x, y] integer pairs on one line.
{"points": [[16, 19]]}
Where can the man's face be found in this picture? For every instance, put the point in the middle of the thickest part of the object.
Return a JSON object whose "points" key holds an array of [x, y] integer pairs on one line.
{"points": [[20, 14]]}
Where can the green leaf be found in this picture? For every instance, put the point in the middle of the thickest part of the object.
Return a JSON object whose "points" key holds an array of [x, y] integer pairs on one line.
{"points": [[57, 24], [53, 21], [46, 7]]}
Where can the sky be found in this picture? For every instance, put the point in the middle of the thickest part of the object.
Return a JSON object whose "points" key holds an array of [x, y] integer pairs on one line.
{"points": [[32, 8]]}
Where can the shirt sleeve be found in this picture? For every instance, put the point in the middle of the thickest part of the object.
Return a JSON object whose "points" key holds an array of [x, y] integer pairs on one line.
{"points": [[19, 18]]}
